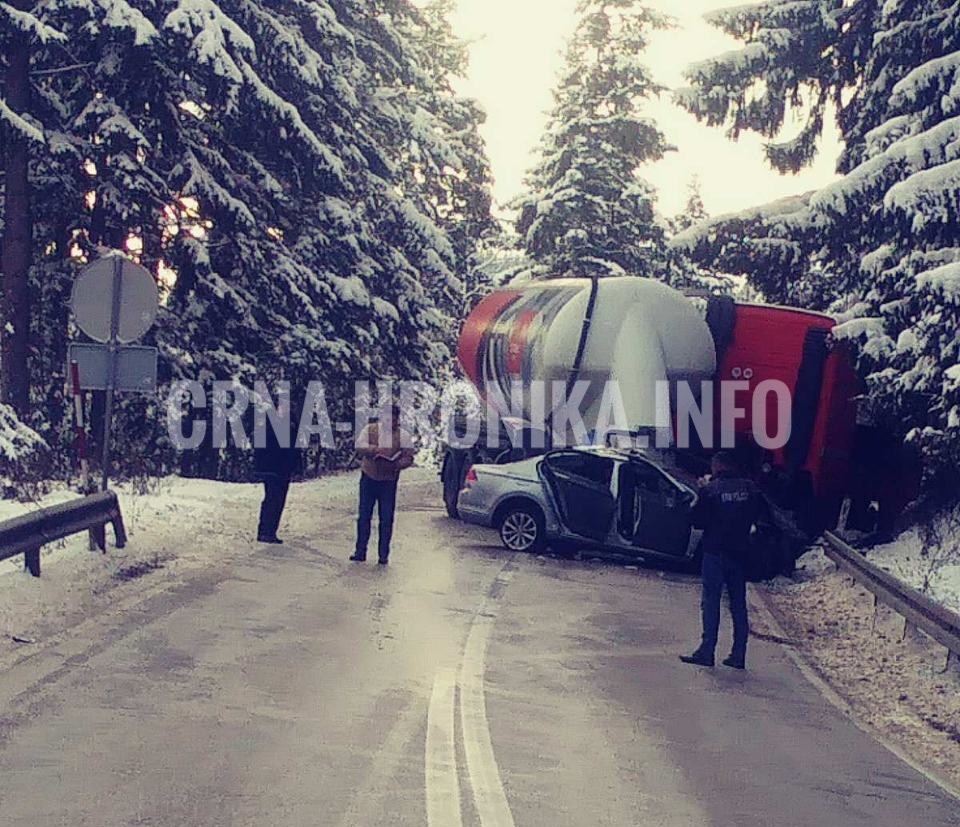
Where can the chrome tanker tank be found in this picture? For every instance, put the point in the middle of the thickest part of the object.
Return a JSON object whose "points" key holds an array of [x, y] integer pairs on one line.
{"points": [[636, 332]]}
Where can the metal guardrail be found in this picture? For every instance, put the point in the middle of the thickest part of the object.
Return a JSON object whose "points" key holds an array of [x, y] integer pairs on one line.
{"points": [[916, 608], [28, 533]]}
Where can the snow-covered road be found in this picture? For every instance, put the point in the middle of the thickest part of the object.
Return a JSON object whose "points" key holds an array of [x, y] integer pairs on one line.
{"points": [[253, 685]]}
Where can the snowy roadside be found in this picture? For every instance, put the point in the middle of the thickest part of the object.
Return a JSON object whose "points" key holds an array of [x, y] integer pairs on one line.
{"points": [[183, 526], [894, 685], [936, 572]]}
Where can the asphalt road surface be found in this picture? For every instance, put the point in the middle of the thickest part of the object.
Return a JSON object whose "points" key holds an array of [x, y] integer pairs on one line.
{"points": [[459, 686]]}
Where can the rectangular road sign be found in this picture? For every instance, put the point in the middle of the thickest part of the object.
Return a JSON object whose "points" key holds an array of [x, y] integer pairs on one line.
{"points": [[136, 367]]}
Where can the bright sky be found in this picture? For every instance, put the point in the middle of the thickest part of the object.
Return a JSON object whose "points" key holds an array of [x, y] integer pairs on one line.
{"points": [[517, 53]]}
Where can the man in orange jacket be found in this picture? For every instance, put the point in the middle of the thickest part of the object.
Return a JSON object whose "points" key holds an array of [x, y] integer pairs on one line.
{"points": [[384, 450]]}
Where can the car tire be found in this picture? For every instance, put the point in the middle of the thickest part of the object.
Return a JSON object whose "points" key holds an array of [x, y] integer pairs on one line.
{"points": [[522, 528]]}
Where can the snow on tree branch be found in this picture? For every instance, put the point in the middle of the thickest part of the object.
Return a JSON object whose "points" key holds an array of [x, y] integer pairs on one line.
{"points": [[20, 124]]}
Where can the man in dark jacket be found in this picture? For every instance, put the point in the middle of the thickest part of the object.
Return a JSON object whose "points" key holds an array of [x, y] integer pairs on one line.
{"points": [[728, 508], [274, 464]]}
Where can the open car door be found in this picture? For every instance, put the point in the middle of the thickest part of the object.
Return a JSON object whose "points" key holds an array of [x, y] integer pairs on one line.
{"points": [[581, 487], [654, 509]]}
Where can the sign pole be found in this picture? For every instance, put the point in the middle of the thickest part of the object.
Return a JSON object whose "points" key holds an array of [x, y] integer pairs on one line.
{"points": [[112, 346], [114, 301], [79, 427]]}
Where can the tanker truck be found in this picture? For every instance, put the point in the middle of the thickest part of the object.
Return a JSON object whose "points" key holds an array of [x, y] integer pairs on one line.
{"points": [[641, 334]]}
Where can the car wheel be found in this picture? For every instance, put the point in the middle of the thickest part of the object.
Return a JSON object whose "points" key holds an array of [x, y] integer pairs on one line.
{"points": [[522, 529]]}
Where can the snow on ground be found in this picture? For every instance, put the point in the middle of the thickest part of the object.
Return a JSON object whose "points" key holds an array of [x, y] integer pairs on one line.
{"points": [[894, 684], [926, 559], [934, 571], [182, 525]]}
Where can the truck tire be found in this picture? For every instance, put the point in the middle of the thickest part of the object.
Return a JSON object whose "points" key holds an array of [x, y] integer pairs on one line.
{"points": [[448, 476], [456, 466], [445, 470]]}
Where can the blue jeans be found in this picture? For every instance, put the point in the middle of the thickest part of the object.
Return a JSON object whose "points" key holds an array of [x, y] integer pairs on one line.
{"points": [[383, 495], [719, 571]]}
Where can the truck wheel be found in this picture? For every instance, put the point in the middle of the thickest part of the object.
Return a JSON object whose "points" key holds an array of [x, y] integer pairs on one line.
{"points": [[522, 528], [454, 474], [449, 495]]}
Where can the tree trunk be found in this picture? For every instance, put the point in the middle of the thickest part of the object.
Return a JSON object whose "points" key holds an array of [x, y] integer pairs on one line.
{"points": [[17, 236]]}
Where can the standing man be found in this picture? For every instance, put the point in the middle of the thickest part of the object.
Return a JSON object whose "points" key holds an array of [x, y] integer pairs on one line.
{"points": [[728, 508], [384, 450], [274, 464]]}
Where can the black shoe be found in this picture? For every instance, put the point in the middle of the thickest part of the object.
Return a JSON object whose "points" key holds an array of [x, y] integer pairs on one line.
{"points": [[383, 561], [273, 541], [735, 663], [359, 558], [698, 659]]}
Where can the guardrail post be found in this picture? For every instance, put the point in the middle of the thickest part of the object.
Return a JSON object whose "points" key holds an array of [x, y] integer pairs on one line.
{"points": [[921, 614], [31, 561], [28, 533], [99, 534], [952, 664], [888, 622], [119, 530], [913, 635]]}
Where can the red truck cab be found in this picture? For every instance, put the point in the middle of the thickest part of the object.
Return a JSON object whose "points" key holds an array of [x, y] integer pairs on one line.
{"points": [[818, 467]]}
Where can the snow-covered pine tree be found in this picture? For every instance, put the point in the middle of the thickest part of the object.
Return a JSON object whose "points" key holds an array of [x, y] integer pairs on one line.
{"points": [[63, 84], [694, 211], [500, 261], [352, 275], [257, 167], [464, 193], [588, 211], [768, 243], [22, 31], [364, 164], [883, 243], [416, 270], [682, 271], [250, 176], [100, 184]]}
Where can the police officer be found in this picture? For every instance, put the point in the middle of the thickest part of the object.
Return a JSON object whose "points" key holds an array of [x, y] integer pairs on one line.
{"points": [[728, 508]]}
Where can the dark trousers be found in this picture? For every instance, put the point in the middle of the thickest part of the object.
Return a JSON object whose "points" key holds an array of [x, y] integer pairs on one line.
{"points": [[383, 495], [271, 509], [719, 571]]}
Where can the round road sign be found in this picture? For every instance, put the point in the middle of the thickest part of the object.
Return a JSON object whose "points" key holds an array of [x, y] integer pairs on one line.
{"points": [[93, 300]]}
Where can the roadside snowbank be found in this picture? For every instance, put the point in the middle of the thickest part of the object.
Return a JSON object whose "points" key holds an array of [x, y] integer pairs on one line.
{"points": [[183, 525], [934, 570]]}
